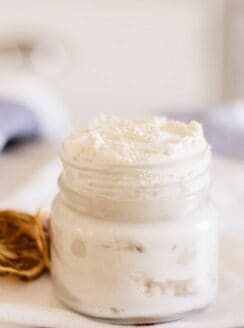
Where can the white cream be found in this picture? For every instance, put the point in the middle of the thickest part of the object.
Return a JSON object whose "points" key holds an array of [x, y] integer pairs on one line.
{"points": [[152, 140], [134, 234]]}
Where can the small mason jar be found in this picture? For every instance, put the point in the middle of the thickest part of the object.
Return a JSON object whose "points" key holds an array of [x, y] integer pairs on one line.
{"points": [[135, 244]]}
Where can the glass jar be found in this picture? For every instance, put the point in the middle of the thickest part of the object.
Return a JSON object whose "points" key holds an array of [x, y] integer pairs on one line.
{"points": [[135, 243]]}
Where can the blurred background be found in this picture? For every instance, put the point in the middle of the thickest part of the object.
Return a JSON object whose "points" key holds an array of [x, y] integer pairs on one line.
{"points": [[64, 62], [126, 57]]}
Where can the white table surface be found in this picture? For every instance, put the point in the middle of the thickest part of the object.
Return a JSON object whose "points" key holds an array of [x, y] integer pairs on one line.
{"points": [[24, 168]]}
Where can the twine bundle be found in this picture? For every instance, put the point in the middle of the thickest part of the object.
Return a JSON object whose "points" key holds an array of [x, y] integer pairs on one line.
{"points": [[24, 244]]}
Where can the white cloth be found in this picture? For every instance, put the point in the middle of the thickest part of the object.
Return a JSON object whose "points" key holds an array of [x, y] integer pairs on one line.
{"points": [[34, 304]]}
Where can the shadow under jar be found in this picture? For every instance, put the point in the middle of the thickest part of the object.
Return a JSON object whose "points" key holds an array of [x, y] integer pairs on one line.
{"points": [[135, 243]]}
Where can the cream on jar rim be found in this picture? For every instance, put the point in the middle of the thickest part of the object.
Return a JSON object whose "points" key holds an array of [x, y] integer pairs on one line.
{"points": [[109, 139], [136, 160]]}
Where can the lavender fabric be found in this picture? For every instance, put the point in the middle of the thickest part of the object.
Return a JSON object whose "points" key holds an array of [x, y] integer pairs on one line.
{"points": [[223, 127], [17, 122]]}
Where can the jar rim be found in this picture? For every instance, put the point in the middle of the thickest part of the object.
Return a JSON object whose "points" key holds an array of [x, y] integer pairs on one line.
{"points": [[108, 164]]}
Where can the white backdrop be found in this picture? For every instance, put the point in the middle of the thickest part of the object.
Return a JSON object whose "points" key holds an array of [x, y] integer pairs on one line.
{"points": [[130, 57]]}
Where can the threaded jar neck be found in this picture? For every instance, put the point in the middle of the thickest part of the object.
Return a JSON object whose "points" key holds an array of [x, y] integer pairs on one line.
{"points": [[126, 191]]}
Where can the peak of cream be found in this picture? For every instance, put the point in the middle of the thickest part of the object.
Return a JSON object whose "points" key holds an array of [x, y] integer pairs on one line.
{"points": [[147, 141]]}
